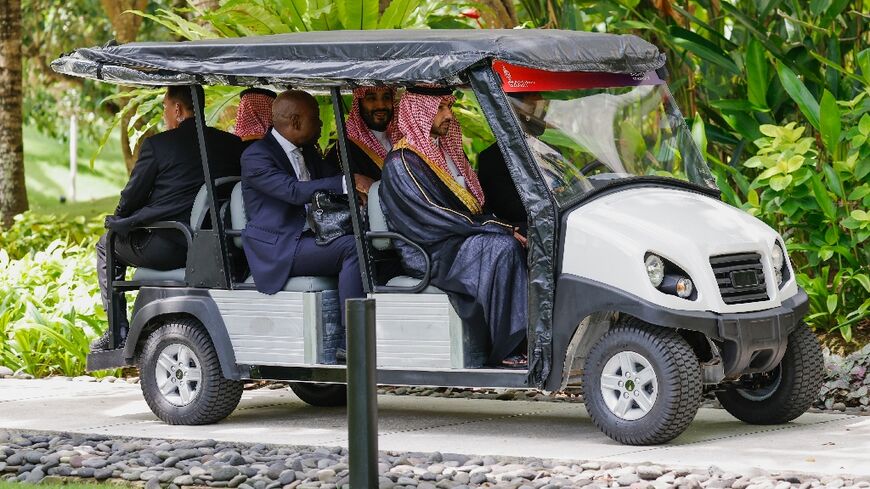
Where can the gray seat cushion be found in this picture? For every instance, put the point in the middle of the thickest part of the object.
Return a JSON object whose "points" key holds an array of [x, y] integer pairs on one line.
{"points": [[238, 217], [306, 284], [159, 275], [406, 281], [377, 221]]}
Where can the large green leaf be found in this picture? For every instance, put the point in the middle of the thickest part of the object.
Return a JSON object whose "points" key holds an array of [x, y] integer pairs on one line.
{"points": [[295, 12], [829, 113], [864, 64], [703, 48], [834, 181], [823, 199], [358, 14], [757, 73], [397, 14], [799, 93]]}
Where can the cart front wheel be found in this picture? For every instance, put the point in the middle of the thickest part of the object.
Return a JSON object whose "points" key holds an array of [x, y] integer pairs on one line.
{"points": [[785, 392], [181, 375], [642, 384]]}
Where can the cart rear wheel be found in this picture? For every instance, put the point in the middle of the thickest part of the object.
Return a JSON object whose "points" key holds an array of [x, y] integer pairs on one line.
{"points": [[785, 392], [642, 384], [181, 375], [321, 395]]}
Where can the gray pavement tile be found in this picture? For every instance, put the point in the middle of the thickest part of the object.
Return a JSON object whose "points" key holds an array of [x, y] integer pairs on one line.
{"points": [[815, 443]]}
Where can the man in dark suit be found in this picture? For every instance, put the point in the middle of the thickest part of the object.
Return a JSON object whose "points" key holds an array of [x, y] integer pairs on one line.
{"points": [[280, 174], [502, 197], [162, 186]]}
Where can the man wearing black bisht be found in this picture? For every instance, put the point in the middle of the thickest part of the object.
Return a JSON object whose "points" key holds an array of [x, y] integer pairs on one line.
{"points": [[431, 195]]}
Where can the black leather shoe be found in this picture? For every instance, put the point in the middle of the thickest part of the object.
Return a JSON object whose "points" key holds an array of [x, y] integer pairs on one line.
{"points": [[102, 343]]}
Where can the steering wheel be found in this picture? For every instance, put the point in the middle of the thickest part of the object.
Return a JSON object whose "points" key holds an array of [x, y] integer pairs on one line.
{"points": [[589, 167]]}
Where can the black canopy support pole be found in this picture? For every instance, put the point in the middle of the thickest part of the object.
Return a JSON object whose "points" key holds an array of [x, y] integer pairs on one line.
{"points": [[542, 211], [222, 277], [356, 214]]}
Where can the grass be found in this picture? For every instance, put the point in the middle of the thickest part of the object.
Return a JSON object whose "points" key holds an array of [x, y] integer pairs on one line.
{"points": [[46, 170]]}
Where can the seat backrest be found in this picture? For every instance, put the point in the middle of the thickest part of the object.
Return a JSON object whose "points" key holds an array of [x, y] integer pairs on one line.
{"points": [[238, 217], [197, 214], [200, 204], [377, 221]]}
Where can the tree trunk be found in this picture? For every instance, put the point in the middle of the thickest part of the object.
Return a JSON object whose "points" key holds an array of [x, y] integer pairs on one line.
{"points": [[499, 14], [13, 193], [126, 27]]}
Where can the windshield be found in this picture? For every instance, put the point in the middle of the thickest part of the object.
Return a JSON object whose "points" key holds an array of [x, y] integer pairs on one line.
{"points": [[586, 139]]}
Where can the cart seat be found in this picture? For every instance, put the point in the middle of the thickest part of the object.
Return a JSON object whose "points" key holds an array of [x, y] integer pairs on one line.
{"points": [[239, 219], [306, 284], [197, 216], [377, 222], [151, 275], [406, 281]]}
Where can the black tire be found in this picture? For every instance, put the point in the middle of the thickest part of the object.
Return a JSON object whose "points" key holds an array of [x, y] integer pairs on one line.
{"points": [[216, 397], [678, 383], [321, 395], [784, 393]]}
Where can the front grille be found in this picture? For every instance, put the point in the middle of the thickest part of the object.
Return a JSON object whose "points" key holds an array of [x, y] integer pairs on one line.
{"points": [[734, 274]]}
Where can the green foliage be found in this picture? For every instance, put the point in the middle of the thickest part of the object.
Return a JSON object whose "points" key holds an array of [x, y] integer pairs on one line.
{"points": [[798, 189], [49, 298]]}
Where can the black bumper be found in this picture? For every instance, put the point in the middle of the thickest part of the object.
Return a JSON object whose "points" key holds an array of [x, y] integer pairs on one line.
{"points": [[748, 342], [756, 341]]}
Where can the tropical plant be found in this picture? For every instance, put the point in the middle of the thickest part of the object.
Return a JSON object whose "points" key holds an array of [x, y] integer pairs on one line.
{"points": [[49, 298]]}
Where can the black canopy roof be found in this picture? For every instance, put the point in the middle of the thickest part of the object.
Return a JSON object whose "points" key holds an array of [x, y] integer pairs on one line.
{"points": [[357, 57]]}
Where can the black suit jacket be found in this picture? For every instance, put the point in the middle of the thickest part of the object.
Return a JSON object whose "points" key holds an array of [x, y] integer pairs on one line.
{"points": [[360, 161], [502, 198], [168, 174], [275, 202]]}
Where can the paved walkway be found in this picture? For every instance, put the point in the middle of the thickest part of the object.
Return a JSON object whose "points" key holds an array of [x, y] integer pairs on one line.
{"points": [[815, 443]]}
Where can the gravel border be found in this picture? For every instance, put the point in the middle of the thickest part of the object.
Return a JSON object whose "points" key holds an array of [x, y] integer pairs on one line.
{"points": [[154, 464]]}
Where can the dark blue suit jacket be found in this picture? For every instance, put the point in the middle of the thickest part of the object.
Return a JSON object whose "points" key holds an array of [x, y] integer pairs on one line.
{"points": [[275, 204]]}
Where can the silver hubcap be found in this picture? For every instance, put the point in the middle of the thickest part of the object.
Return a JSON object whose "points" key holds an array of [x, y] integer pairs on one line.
{"points": [[629, 385], [178, 374]]}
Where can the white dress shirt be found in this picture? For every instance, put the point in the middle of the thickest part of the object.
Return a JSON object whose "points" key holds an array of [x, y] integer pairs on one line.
{"points": [[384, 139], [294, 153], [454, 170]]}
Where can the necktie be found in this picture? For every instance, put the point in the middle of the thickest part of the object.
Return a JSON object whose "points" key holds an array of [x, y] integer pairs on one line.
{"points": [[303, 176], [301, 168]]}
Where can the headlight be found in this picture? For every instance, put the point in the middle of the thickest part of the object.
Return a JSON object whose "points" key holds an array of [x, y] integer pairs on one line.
{"points": [[777, 257], [684, 288], [655, 269]]}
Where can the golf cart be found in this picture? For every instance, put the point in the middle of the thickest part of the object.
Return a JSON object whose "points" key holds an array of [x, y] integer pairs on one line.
{"points": [[643, 285]]}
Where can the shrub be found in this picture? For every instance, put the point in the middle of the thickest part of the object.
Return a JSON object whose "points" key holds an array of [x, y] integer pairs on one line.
{"points": [[817, 203], [49, 298]]}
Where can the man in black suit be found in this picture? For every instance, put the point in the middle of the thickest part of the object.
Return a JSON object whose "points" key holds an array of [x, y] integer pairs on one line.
{"points": [[502, 197], [280, 174], [162, 186]]}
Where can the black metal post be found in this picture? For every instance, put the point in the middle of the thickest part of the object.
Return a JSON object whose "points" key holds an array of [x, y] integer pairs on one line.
{"points": [[362, 398], [362, 250]]}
